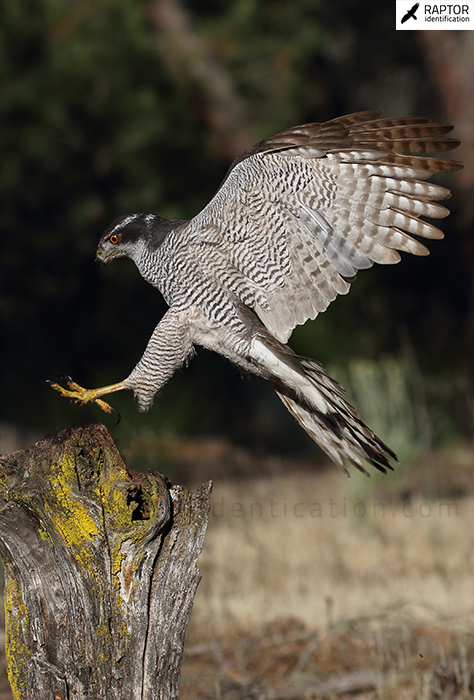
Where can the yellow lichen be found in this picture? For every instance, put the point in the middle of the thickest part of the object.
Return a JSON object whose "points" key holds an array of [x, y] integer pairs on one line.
{"points": [[44, 534], [17, 650], [68, 513], [129, 534]]}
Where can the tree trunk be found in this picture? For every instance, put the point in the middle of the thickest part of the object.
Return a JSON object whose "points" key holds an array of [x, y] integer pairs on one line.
{"points": [[100, 568], [450, 57]]}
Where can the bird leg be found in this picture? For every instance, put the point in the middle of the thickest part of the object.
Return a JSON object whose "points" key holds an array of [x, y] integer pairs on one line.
{"points": [[83, 396]]}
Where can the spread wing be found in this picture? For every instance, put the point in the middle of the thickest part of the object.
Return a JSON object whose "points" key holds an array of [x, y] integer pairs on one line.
{"points": [[299, 213]]}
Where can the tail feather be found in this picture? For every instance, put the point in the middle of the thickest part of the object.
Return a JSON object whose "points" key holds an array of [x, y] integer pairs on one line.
{"points": [[343, 437], [318, 403]]}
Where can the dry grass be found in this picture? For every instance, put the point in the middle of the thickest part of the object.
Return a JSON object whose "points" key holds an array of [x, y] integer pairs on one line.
{"points": [[314, 589], [389, 657], [304, 547]]}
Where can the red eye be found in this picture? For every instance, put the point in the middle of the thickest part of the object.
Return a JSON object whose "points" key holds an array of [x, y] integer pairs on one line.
{"points": [[114, 238]]}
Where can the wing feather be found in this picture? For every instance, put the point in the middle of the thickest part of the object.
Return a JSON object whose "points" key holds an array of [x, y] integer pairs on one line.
{"points": [[299, 213]]}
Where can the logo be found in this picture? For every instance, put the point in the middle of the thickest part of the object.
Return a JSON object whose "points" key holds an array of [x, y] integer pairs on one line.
{"points": [[411, 13], [434, 15]]}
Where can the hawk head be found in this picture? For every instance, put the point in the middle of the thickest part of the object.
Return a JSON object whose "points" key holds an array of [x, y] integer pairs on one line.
{"points": [[129, 235]]}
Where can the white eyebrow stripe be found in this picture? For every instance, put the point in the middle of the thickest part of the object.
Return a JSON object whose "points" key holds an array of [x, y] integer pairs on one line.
{"points": [[128, 220]]}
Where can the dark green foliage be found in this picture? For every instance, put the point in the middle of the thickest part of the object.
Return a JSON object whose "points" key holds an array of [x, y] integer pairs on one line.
{"points": [[98, 119], [270, 48], [86, 117]]}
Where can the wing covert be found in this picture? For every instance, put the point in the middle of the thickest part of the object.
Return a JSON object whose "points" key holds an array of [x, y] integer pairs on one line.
{"points": [[300, 213]]}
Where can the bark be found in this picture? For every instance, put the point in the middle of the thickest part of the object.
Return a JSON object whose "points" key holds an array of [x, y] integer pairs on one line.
{"points": [[100, 569]]}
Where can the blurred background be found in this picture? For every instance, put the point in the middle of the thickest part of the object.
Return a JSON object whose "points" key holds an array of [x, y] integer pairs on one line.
{"points": [[117, 106], [110, 107]]}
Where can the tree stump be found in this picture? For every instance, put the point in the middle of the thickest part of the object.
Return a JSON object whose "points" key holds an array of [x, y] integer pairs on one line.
{"points": [[100, 571]]}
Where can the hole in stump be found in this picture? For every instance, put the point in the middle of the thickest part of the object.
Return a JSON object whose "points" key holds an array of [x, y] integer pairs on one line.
{"points": [[141, 510]]}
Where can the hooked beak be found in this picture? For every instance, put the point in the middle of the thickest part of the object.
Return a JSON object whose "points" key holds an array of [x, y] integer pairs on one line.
{"points": [[102, 258]]}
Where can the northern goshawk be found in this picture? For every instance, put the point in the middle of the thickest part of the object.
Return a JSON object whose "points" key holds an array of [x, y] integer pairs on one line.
{"points": [[296, 217]]}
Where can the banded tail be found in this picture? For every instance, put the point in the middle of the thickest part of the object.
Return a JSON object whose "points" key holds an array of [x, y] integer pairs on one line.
{"points": [[319, 405]]}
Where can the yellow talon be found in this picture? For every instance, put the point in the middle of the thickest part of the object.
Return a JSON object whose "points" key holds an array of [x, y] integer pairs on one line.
{"points": [[106, 407], [83, 396]]}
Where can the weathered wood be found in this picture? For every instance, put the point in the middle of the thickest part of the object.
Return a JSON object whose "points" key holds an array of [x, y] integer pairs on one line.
{"points": [[100, 569]]}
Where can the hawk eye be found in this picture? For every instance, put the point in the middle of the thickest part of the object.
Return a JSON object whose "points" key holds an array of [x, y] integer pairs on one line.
{"points": [[114, 238]]}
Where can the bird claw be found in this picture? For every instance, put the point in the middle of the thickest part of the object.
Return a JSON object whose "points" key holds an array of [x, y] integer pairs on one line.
{"points": [[108, 409], [82, 396]]}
